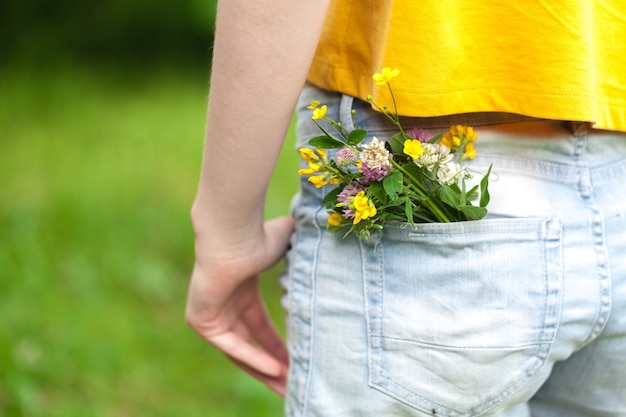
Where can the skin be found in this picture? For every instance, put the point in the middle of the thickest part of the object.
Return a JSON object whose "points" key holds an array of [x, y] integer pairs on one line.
{"points": [[262, 52]]}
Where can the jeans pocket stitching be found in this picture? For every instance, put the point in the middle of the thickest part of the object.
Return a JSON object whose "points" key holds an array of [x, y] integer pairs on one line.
{"points": [[534, 356]]}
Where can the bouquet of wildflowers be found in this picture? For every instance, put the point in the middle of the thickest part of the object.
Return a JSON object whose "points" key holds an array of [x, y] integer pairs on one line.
{"points": [[414, 177]]}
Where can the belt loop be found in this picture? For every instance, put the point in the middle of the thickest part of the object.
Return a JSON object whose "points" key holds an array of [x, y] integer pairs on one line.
{"points": [[345, 112], [579, 128]]}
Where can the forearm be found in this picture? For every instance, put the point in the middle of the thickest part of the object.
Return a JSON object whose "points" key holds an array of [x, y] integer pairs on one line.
{"points": [[262, 52]]}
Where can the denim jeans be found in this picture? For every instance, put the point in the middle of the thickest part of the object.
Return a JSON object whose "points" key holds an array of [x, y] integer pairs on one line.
{"points": [[522, 313]]}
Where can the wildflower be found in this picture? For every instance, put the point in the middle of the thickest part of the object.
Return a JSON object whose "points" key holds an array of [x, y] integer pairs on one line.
{"points": [[307, 171], [465, 132], [347, 194], [432, 155], [314, 160], [449, 140], [375, 154], [335, 219], [420, 134], [375, 161], [319, 113], [385, 75], [314, 105], [470, 151], [320, 181], [346, 157], [449, 173], [318, 163], [362, 207], [458, 135], [308, 155], [372, 174], [413, 148], [345, 198]]}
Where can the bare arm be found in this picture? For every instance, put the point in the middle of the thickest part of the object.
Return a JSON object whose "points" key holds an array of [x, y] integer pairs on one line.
{"points": [[263, 49]]}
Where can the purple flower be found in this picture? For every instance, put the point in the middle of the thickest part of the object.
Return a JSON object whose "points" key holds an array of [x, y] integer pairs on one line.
{"points": [[373, 174], [420, 134], [346, 157], [347, 194], [347, 213], [345, 198]]}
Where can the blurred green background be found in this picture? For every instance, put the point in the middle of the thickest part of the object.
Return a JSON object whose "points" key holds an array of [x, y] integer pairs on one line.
{"points": [[102, 109]]}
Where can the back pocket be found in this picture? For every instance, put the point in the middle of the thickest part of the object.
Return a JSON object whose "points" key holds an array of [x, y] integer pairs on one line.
{"points": [[461, 315]]}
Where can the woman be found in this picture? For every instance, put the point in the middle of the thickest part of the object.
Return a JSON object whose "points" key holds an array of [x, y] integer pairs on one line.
{"points": [[521, 313]]}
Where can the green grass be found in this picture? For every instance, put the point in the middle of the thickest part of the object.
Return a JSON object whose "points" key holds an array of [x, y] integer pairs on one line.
{"points": [[97, 173]]}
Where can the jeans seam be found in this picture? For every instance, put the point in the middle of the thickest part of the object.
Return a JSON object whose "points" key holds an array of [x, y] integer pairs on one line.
{"points": [[598, 235], [312, 338]]}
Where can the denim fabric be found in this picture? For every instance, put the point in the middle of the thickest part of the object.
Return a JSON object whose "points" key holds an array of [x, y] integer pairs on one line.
{"points": [[521, 313]]}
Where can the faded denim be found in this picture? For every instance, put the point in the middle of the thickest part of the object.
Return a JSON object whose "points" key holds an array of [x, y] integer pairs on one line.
{"points": [[520, 314]]}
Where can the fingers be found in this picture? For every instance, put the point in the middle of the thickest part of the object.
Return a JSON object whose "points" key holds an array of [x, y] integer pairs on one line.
{"points": [[263, 331], [246, 353], [276, 384]]}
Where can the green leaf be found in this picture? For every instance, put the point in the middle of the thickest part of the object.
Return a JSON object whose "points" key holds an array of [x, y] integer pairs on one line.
{"points": [[326, 142], [435, 138], [471, 194], [484, 189], [378, 191], [408, 208], [393, 184], [473, 212], [330, 199], [462, 195], [397, 143], [449, 197], [413, 170], [356, 136]]}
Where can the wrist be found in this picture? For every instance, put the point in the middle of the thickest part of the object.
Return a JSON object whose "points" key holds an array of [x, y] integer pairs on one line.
{"points": [[225, 224]]}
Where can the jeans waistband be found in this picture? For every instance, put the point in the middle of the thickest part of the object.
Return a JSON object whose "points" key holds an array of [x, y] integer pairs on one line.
{"points": [[348, 103]]}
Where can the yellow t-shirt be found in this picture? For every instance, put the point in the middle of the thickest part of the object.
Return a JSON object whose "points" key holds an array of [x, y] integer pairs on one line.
{"points": [[552, 59]]}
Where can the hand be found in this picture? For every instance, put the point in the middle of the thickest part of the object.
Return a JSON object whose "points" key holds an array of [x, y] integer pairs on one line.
{"points": [[224, 305]]}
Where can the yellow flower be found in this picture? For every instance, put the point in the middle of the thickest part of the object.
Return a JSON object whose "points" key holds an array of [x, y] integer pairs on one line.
{"points": [[318, 162], [449, 140], [335, 219], [362, 207], [470, 151], [385, 75], [318, 180], [307, 154], [319, 113], [314, 104], [466, 132], [413, 148]]}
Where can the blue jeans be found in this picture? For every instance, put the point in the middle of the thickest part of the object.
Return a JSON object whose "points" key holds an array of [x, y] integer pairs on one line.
{"points": [[522, 313]]}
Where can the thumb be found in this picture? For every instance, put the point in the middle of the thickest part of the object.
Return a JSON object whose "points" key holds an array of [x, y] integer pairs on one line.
{"points": [[278, 233]]}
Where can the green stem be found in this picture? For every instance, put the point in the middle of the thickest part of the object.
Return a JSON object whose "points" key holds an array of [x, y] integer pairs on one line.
{"points": [[395, 111], [342, 131], [419, 188], [326, 131], [393, 117]]}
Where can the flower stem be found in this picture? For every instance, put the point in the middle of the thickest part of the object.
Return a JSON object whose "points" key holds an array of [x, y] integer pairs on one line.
{"points": [[326, 132], [419, 188], [396, 120]]}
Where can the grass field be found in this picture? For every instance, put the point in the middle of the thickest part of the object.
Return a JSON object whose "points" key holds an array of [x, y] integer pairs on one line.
{"points": [[97, 173]]}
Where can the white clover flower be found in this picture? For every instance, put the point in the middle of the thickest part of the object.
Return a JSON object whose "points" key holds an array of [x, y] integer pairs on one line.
{"points": [[433, 154], [449, 173], [375, 155]]}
